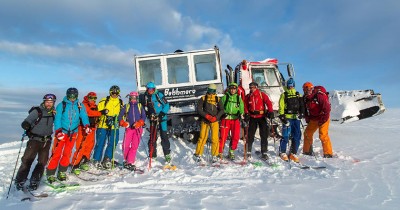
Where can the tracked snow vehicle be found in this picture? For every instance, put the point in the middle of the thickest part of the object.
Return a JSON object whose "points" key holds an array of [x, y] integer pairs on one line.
{"points": [[183, 77]]}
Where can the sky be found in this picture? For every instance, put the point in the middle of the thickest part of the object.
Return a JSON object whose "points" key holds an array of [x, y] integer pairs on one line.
{"points": [[48, 46]]}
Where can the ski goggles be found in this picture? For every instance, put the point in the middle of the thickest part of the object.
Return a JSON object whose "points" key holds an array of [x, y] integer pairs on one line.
{"points": [[151, 89], [132, 97], [49, 97], [72, 96], [115, 92], [92, 98]]}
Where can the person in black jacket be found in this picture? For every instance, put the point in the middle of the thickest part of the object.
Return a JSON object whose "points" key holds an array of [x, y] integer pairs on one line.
{"points": [[39, 128]]}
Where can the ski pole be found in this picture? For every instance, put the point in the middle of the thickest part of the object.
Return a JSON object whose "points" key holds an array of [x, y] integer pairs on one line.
{"points": [[115, 137], [16, 163]]}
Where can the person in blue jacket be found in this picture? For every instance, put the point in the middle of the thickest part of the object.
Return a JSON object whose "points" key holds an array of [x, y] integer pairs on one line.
{"points": [[157, 107], [69, 114]]}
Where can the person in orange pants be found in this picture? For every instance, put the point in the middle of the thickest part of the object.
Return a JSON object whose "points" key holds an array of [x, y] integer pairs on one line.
{"points": [[69, 113], [85, 142], [317, 115]]}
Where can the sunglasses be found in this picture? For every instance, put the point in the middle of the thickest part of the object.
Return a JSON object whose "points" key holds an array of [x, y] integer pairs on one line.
{"points": [[151, 89], [92, 98], [233, 87], [114, 93]]}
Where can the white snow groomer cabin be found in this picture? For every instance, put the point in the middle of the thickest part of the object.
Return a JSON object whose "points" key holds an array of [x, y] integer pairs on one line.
{"points": [[183, 77]]}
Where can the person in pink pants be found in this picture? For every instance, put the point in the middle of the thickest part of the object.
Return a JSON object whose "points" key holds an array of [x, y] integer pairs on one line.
{"points": [[132, 117]]}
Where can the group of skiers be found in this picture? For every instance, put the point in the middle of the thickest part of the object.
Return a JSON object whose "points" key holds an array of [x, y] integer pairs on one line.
{"points": [[93, 129], [224, 116]]}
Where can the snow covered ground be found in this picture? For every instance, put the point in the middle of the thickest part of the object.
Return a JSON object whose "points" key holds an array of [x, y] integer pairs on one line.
{"points": [[365, 175]]}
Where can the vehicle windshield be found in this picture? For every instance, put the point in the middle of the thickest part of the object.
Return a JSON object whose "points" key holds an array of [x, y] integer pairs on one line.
{"points": [[178, 70], [205, 67], [150, 71], [265, 76]]}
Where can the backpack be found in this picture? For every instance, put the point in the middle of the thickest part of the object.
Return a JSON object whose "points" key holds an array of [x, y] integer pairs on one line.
{"points": [[108, 99], [205, 101], [65, 104], [321, 89], [292, 103]]}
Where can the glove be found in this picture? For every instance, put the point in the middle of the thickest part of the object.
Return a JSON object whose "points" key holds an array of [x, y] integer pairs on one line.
{"points": [[104, 111], [88, 130], [246, 117], [161, 115], [270, 115], [209, 117], [213, 119], [25, 125], [300, 116], [282, 117], [124, 124], [60, 135], [138, 124]]}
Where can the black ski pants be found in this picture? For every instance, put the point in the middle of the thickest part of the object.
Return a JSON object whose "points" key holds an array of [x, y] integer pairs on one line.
{"points": [[262, 124], [33, 148], [164, 142]]}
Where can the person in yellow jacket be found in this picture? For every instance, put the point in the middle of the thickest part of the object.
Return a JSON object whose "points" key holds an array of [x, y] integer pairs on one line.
{"points": [[108, 128], [291, 109], [210, 109]]}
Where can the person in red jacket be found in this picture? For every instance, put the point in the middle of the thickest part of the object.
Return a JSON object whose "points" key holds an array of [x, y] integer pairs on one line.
{"points": [[317, 116], [85, 142], [257, 107]]}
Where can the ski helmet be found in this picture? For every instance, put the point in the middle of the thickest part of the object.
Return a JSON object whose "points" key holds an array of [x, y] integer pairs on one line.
{"points": [[92, 96], [150, 85], [290, 83], [212, 88], [255, 84], [232, 84], [134, 94], [50, 97], [72, 93], [114, 89], [308, 85]]}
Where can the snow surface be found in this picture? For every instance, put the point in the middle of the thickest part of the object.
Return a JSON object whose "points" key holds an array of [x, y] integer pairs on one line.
{"points": [[365, 175]]}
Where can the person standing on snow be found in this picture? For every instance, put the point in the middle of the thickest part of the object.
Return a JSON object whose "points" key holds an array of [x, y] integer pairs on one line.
{"points": [[317, 116], [210, 109], [69, 115], [85, 142], [108, 129], [234, 110], [39, 128], [257, 106], [157, 107], [131, 117], [291, 109]]}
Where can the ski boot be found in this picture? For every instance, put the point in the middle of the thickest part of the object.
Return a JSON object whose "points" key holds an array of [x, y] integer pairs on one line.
{"points": [[84, 167], [231, 154], [248, 154], [76, 171], [33, 185], [107, 163], [264, 157], [130, 166], [197, 158], [19, 185], [328, 156], [168, 158], [51, 178], [294, 158], [62, 176], [214, 159], [284, 156]]}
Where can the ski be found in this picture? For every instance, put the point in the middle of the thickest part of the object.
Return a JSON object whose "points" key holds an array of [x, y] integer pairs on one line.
{"points": [[87, 179], [266, 161], [61, 185], [99, 173], [31, 196], [302, 166], [121, 167]]}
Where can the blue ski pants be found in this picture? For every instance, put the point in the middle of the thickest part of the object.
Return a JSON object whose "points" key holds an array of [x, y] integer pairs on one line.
{"points": [[294, 131], [102, 134]]}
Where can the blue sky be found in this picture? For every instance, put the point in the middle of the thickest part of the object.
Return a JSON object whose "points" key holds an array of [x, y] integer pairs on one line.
{"points": [[48, 46]]}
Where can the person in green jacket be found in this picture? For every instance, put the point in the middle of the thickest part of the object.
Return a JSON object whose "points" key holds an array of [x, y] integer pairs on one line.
{"points": [[234, 110], [291, 109]]}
